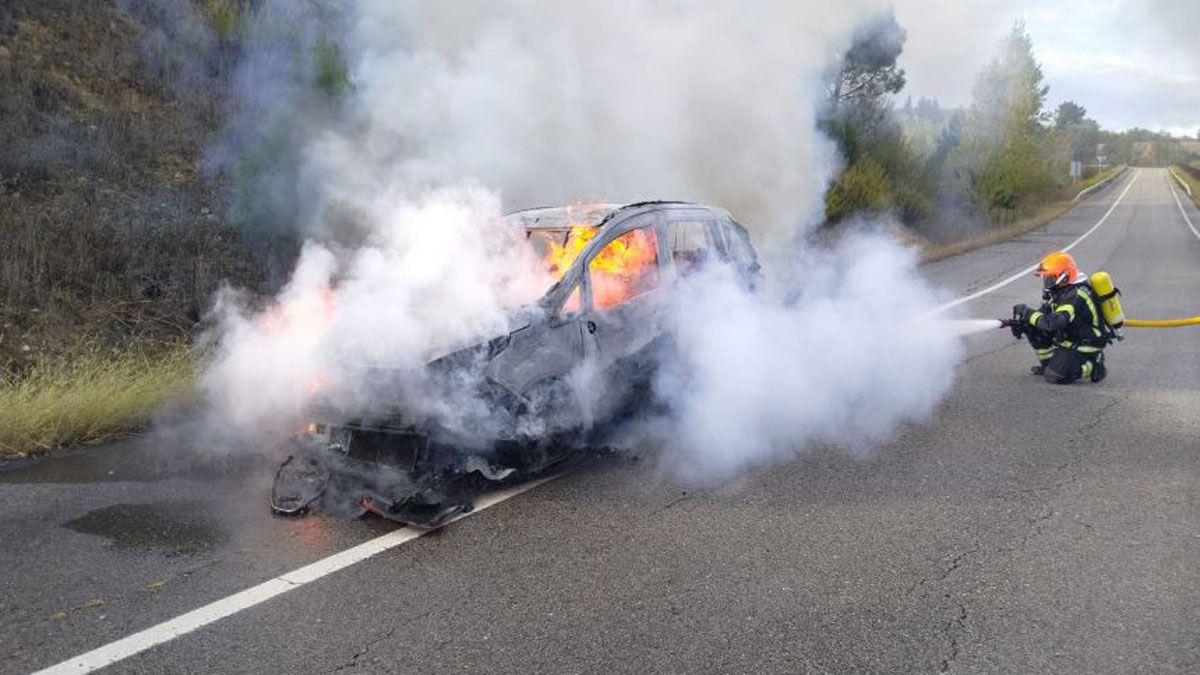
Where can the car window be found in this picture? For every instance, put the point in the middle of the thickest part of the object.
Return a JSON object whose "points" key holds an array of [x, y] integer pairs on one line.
{"points": [[737, 243], [626, 268], [690, 245]]}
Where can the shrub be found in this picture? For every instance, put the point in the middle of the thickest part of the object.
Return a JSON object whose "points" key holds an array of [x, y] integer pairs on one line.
{"points": [[862, 187], [332, 76]]}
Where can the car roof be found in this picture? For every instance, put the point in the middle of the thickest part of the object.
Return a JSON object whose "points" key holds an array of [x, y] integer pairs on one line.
{"points": [[557, 217], [598, 215]]}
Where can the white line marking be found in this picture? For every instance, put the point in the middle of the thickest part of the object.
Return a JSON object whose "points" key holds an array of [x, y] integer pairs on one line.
{"points": [[997, 286], [1183, 212], [198, 618]]}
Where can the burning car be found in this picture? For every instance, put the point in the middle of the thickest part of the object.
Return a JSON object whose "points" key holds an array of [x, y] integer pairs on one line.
{"points": [[575, 362]]}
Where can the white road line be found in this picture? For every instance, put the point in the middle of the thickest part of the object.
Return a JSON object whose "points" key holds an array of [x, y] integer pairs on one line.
{"points": [[1025, 272], [198, 618], [1183, 212]]}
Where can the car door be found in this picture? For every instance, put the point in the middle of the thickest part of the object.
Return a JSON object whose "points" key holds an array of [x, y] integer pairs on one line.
{"points": [[624, 281]]}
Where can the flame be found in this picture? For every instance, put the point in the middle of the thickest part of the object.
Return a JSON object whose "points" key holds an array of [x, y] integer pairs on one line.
{"points": [[307, 318], [307, 315], [560, 256], [316, 384], [625, 268]]}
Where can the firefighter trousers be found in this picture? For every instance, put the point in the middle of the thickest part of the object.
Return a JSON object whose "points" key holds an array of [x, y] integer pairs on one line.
{"points": [[1061, 365]]}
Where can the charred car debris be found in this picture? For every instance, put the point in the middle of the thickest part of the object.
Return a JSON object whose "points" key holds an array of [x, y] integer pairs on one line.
{"points": [[615, 265]]}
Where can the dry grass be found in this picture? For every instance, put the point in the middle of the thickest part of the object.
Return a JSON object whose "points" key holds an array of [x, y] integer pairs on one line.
{"points": [[94, 397], [1189, 175]]}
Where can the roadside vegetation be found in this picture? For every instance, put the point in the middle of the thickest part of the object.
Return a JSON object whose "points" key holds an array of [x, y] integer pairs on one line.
{"points": [[91, 397], [1190, 174], [121, 212], [962, 178], [1099, 177]]}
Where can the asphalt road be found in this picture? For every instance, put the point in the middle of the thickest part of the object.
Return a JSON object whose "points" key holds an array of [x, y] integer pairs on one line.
{"points": [[1027, 528]]}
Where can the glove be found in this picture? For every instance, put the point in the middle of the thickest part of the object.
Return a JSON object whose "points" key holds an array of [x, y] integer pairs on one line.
{"points": [[1021, 314]]}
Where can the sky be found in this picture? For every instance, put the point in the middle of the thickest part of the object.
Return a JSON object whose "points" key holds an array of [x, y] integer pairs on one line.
{"points": [[1131, 63]]}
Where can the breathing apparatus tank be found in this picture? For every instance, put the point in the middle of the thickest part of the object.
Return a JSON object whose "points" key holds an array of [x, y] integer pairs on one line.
{"points": [[1110, 299]]}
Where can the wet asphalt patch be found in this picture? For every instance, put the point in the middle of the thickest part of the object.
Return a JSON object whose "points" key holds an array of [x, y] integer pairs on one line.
{"points": [[168, 528]]}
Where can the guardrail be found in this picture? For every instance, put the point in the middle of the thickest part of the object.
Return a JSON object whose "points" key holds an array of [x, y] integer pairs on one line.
{"points": [[1087, 191], [1179, 179]]}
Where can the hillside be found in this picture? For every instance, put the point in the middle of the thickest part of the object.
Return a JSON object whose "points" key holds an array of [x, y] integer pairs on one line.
{"points": [[109, 233]]}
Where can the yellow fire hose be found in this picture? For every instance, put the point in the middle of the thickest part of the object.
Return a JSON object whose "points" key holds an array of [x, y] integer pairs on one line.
{"points": [[1167, 323]]}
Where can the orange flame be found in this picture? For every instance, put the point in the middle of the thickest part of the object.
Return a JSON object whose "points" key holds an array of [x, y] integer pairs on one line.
{"points": [[625, 268], [560, 256], [308, 317]]}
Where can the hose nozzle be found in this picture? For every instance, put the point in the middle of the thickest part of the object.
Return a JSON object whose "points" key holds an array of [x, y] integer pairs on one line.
{"points": [[1014, 325]]}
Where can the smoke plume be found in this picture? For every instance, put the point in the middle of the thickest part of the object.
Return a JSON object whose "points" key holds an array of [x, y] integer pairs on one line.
{"points": [[453, 113], [846, 360]]}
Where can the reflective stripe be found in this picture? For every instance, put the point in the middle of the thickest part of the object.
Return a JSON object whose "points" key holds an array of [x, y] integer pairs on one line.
{"points": [[1087, 297], [1033, 318], [1066, 308], [1086, 371]]}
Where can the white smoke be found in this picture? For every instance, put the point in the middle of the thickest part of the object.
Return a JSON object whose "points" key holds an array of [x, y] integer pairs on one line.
{"points": [[550, 102], [852, 356], [433, 271], [460, 111]]}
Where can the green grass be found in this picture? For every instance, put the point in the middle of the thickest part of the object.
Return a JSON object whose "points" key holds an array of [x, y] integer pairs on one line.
{"points": [[92, 398], [1103, 175]]}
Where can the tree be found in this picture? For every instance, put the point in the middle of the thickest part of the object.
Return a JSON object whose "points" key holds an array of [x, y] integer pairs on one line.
{"points": [[1003, 162], [861, 85], [869, 69], [1009, 94], [1084, 138], [929, 110], [1069, 114], [883, 172]]}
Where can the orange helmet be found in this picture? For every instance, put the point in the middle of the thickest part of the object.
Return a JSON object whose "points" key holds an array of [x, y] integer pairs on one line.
{"points": [[1057, 269]]}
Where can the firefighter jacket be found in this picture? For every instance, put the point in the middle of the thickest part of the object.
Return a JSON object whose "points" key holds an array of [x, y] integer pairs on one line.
{"points": [[1072, 317]]}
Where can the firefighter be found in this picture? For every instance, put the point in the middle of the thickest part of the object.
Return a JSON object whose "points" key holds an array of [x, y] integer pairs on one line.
{"points": [[1067, 333]]}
